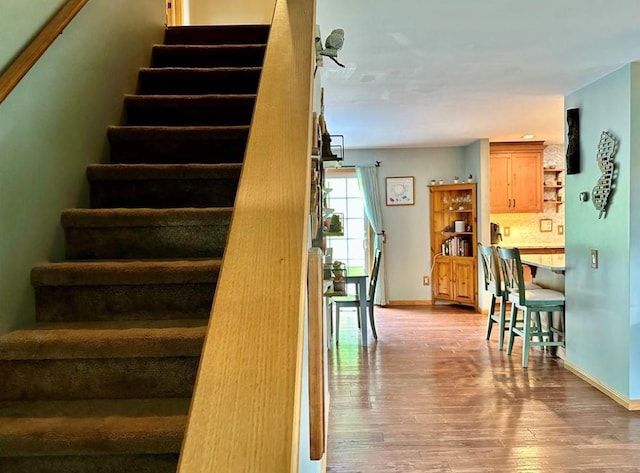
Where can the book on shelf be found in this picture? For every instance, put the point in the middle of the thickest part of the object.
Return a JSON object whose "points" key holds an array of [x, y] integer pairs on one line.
{"points": [[456, 246]]}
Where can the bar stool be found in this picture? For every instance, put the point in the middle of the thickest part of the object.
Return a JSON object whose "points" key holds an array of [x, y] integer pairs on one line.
{"points": [[531, 302], [493, 285]]}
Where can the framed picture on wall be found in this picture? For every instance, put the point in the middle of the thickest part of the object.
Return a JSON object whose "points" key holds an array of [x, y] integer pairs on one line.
{"points": [[400, 190], [546, 225]]}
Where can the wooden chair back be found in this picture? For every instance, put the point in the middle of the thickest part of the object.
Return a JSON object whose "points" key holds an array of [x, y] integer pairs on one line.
{"points": [[491, 268], [514, 282], [373, 280]]}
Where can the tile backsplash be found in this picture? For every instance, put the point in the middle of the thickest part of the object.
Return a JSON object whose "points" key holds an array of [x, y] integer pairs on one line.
{"points": [[525, 228]]}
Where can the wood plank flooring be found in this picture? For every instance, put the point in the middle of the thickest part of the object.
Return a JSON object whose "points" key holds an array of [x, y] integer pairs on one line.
{"points": [[433, 396]]}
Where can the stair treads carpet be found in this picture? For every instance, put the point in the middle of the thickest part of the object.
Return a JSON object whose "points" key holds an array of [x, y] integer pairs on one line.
{"points": [[144, 338], [102, 382], [111, 463], [221, 34], [189, 110], [163, 185], [145, 172], [195, 81], [145, 233], [226, 55], [105, 218], [88, 427], [126, 272], [163, 145]]}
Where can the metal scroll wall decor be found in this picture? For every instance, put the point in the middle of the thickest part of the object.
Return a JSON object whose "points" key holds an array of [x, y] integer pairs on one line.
{"points": [[607, 148]]}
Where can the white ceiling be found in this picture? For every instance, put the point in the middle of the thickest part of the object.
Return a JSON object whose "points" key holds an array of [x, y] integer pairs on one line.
{"points": [[426, 73]]}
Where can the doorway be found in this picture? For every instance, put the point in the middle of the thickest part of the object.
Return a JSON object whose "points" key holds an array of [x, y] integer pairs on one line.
{"points": [[175, 12]]}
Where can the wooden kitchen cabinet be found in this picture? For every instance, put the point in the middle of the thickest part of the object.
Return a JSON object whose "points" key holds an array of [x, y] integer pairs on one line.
{"points": [[516, 178], [455, 280], [454, 250]]}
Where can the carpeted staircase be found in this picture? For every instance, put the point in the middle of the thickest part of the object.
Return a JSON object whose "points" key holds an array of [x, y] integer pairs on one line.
{"points": [[102, 382]]}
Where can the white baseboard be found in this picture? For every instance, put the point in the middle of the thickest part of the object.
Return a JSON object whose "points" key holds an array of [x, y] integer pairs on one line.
{"points": [[629, 404]]}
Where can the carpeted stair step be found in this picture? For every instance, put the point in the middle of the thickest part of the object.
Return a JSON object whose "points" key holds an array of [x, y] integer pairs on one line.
{"points": [[198, 81], [217, 34], [177, 145], [125, 290], [101, 360], [223, 55], [98, 436], [102, 382], [98, 360], [189, 110], [93, 234], [163, 185]]}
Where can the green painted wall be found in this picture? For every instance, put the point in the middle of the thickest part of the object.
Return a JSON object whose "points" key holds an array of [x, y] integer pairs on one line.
{"points": [[19, 22], [54, 124], [407, 227], [598, 300], [634, 254], [477, 161]]}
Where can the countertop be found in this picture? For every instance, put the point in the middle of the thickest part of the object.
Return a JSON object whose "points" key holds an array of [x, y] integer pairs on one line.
{"points": [[552, 262], [536, 249]]}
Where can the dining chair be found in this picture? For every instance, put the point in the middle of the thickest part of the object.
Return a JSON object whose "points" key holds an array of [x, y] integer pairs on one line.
{"points": [[354, 300], [494, 285], [532, 302]]}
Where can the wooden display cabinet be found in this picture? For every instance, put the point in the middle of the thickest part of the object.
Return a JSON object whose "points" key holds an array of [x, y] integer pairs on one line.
{"points": [[454, 250], [516, 179]]}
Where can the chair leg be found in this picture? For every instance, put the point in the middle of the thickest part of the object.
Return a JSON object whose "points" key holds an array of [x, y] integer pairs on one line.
{"points": [[512, 325], [539, 329], [549, 329], [526, 337], [330, 314], [490, 320], [372, 320], [503, 322], [337, 323]]}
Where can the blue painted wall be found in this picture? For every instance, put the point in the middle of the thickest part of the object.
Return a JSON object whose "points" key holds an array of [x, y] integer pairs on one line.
{"points": [[599, 300], [634, 253]]}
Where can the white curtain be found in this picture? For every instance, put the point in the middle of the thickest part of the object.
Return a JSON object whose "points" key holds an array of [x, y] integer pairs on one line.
{"points": [[368, 183]]}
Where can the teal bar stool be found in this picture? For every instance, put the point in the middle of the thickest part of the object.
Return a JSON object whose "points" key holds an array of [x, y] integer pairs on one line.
{"points": [[532, 302], [493, 285]]}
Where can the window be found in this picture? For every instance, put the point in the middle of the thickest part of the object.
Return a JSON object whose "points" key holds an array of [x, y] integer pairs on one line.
{"points": [[345, 199]]}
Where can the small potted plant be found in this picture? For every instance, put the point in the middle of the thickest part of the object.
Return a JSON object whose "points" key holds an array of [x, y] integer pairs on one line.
{"points": [[455, 180], [332, 225], [339, 271]]}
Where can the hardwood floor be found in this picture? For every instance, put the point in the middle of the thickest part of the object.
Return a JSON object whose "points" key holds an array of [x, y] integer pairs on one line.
{"points": [[433, 396]]}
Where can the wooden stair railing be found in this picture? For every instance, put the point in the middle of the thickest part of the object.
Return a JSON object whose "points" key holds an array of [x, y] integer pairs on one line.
{"points": [[245, 413], [37, 47]]}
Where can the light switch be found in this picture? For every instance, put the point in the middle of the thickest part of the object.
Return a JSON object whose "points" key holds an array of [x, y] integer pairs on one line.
{"points": [[507, 231], [594, 259]]}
